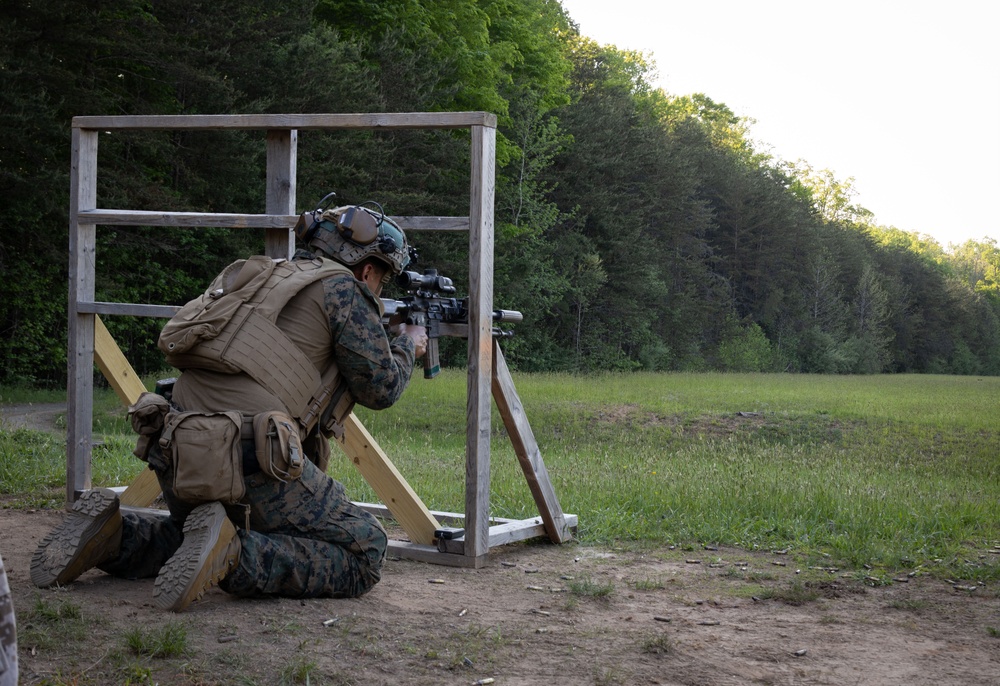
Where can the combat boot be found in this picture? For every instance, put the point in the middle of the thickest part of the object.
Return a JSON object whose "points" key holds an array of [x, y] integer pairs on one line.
{"points": [[90, 533], [209, 552]]}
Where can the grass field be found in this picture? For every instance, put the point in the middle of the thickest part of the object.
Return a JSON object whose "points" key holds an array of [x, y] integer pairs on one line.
{"points": [[876, 473]]}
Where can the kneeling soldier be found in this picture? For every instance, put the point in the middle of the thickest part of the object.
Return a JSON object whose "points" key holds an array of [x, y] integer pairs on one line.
{"points": [[274, 354]]}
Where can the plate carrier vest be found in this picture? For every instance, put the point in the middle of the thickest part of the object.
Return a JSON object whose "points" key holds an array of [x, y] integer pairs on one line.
{"points": [[231, 328]]}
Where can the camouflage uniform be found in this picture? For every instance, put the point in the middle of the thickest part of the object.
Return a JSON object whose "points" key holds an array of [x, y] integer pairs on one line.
{"points": [[8, 634], [305, 539]]}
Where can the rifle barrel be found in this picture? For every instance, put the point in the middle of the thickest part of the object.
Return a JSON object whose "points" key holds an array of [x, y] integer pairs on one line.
{"points": [[509, 316]]}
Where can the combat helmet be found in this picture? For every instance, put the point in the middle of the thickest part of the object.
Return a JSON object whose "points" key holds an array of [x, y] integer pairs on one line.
{"points": [[352, 233]]}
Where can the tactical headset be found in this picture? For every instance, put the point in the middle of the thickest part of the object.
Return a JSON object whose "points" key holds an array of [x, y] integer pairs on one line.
{"points": [[351, 233]]}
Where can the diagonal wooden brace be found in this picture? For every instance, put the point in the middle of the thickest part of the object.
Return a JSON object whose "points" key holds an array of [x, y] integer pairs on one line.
{"points": [[526, 448]]}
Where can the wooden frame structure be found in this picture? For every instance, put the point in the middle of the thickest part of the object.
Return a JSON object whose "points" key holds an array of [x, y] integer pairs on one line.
{"points": [[90, 342]]}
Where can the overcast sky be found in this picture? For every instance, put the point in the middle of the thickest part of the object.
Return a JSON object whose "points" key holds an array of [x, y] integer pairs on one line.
{"points": [[902, 96]]}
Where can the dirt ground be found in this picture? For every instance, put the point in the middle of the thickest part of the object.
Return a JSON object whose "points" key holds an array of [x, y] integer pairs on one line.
{"points": [[535, 614]]}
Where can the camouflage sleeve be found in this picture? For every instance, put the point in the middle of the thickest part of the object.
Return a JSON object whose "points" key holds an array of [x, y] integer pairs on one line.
{"points": [[376, 370]]}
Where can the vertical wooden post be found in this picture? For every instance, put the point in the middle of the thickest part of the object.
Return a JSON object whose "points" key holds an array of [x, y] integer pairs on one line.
{"points": [[477, 467], [80, 353], [282, 160]]}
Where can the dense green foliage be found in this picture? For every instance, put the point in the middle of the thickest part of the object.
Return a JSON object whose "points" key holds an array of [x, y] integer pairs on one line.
{"points": [[636, 229]]}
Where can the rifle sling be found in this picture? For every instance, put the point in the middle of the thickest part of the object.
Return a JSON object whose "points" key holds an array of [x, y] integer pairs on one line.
{"points": [[329, 406]]}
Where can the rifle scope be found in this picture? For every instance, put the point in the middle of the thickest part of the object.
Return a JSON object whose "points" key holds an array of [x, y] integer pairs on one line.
{"points": [[430, 281]]}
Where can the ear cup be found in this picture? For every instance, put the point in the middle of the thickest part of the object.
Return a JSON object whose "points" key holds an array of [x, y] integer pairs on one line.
{"points": [[358, 226], [305, 227]]}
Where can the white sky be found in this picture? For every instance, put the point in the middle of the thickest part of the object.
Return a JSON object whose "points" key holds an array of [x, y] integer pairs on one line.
{"points": [[902, 96]]}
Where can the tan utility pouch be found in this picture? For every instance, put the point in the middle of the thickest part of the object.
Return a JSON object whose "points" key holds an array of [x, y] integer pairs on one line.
{"points": [[279, 448], [146, 416], [204, 449]]}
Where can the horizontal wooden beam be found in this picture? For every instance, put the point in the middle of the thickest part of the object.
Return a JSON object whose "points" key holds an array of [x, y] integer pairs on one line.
{"points": [[507, 532], [387, 120], [427, 553], [168, 311], [447, 518], [245, 221], [187, 219], [431, 223], [132, 309]]}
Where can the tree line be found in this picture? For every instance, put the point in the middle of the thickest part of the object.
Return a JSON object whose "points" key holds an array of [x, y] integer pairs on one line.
{"points": [[636, 229]]}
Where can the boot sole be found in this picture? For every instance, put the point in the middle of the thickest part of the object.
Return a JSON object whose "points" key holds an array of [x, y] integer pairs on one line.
{"points": [[61, 557], [190, 572]]}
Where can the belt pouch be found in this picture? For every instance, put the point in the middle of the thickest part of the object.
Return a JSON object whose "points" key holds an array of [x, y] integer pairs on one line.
{"points": [[204, 449], [278, 446], [146, 416]]}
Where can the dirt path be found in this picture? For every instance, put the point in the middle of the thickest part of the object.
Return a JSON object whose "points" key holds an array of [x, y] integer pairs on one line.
{"points": [[35, 416], [665, 620]]}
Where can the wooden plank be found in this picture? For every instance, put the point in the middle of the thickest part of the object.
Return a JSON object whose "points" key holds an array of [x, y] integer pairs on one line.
{"points": [[168, 311], [117, 370], [430, 554], [511, 531], [106, 217], [189, 220], [80, 350], [478, 407], [145, 488], [432, 223], [526, 449], [395, 120], [133, 309], [388, 483], [444, 518], [282, 157]]}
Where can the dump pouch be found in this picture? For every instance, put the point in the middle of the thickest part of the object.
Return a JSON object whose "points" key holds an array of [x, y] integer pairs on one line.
{"points": [[146, 416], [279, 449], [207, 457]]}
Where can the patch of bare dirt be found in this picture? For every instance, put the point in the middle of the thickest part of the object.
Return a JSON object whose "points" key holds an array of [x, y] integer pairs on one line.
{"points": [[34, 416], [665, 619]]}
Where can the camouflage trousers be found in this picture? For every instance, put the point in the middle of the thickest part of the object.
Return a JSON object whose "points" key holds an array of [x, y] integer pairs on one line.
{"points": [[305, 540], [8, 634]]}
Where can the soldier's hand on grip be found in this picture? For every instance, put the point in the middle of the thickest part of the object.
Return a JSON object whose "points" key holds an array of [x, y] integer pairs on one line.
{"points": [[419, 336]]}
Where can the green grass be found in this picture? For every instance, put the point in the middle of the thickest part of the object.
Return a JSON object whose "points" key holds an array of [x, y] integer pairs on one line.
{"points": [[298, 671], [896, 472], [169, 640], [51, 623], [10, 395], [659, 644], [588, 588]]}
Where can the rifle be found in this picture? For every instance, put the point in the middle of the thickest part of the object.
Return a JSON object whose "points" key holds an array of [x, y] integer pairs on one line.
{"points": [[430, 303]]}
